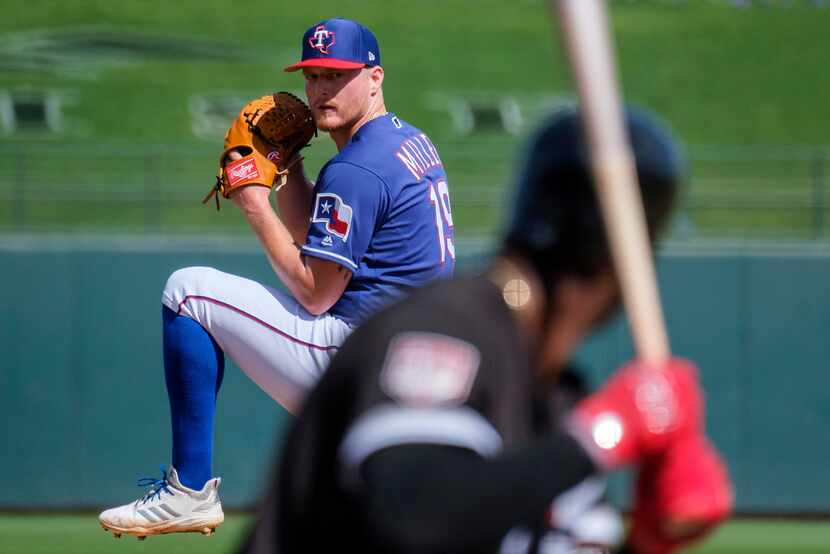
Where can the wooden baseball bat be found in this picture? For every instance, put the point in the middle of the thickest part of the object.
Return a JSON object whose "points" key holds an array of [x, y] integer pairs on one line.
{"points": [[585, 27]]}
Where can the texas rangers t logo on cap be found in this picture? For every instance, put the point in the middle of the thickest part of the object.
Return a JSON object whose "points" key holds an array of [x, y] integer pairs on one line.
{"points": [[336, 214], [338, 44], [322, 39]]}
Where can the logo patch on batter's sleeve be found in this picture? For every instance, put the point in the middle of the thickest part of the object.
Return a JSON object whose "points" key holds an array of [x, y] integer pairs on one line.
{"points": [[336, 214], [427, 369]]}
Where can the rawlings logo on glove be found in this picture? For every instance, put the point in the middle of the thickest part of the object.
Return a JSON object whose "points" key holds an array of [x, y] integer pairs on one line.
{"points": [[241, 170], [268, 133]]}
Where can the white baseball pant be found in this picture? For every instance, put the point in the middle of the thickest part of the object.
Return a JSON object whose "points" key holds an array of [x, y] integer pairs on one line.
{"points": [[266, 332]]}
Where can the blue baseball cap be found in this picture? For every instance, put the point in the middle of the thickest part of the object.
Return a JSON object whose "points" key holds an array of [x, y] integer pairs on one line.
{"points": [[339, 44]]}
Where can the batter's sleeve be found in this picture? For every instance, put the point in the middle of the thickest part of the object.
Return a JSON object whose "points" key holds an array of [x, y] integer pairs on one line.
{"points": [[428, 446], [349, 205], [430, 390]]}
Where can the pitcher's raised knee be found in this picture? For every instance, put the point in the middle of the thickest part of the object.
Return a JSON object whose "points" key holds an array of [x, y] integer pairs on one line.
{"points": [[184, 282]]}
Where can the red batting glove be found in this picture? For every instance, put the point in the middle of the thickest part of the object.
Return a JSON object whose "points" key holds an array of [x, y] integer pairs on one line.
{"points": [[639, 412], [681, 496]]}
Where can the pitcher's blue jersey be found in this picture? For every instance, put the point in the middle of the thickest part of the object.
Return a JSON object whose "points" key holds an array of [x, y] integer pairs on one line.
{"points": [[381, 209]]}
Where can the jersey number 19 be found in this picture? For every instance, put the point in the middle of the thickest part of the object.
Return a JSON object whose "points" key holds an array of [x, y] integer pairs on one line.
{"points": [[440, 201]]}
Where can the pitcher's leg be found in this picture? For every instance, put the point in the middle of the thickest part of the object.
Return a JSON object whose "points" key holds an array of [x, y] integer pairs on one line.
{"points": [[279, 345], [269, 335], [186, 498], [193, 369]]}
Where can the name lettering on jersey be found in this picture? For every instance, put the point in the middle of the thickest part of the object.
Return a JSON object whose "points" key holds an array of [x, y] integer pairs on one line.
{"points": [[418, 155], [322, 39], [428, 369], [336, 214], [241, 170]]}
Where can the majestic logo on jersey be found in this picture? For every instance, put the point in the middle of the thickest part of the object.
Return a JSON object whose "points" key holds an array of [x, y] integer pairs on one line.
{"points": [[427, 369], [241, 170], [322, 39], [336, 214]]}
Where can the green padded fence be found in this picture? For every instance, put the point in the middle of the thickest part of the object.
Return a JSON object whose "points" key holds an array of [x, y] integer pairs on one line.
{"points": [[84, 409]]}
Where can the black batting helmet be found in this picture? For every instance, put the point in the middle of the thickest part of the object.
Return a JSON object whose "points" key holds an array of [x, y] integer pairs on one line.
{"points": [[556, 221]]}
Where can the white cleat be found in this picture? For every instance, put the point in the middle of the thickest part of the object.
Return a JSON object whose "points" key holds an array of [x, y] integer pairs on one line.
{"points": [[168, 507]]}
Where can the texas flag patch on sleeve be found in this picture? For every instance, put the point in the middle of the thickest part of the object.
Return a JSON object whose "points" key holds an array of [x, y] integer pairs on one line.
{"points": [[336, 214]]}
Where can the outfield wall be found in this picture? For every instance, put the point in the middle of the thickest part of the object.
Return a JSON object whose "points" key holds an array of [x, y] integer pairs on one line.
{"points": [[84, 409]]}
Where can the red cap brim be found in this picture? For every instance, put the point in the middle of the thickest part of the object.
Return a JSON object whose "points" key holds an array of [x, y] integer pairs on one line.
{"points": [[325, 62]]}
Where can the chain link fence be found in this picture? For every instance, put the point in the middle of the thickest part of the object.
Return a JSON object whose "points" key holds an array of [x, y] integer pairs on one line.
{"points": [[766, 192], [732, 191]]}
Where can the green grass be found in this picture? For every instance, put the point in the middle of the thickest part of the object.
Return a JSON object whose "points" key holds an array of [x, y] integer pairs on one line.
{"points": [[81, 535], [719, 76], [769, 537]]}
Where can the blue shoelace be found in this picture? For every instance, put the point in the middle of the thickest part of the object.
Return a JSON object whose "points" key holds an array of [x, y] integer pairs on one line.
{"points": [[156, 486]]}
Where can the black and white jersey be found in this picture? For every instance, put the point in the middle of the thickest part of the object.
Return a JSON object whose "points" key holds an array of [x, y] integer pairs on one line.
{"points": [[443, 372]]}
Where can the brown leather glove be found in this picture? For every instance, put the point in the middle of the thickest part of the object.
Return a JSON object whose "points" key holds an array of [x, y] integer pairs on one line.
{"points": [[268, 133]]}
